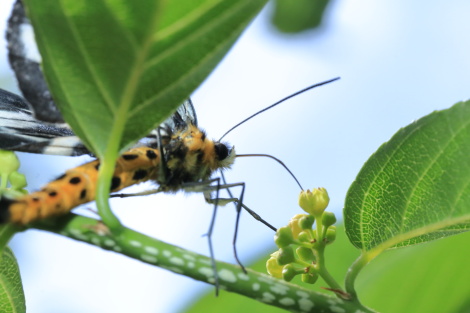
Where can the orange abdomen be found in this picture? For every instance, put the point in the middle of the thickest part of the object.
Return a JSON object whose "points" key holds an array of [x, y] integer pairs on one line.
{"points": [[77, 186]]}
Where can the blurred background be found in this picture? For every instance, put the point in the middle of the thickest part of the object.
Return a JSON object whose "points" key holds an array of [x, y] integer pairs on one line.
{"points": [[398, 61]]}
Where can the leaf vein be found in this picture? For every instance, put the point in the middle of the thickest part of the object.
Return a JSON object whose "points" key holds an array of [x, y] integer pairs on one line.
{"points": [[431, 164]]}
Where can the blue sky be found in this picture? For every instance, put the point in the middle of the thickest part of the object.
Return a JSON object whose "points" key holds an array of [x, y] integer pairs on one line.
{"points": [[398, 61]]}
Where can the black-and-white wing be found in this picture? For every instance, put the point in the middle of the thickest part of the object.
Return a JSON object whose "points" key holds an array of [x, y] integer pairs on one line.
{"points": [[35, 124], [21, 131], [25, 61], [182, 117]]}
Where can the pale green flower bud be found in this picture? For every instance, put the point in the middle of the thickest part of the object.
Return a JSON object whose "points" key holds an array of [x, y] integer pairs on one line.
{"points": [[314, 202], [309, 278], [283, 237], [285, 256], [17, 180], [289, 272], [328, 219], [8, 162], [294, 224], [330, 234], [304, 237], [305, 254], [274, 269], [306, 221]]}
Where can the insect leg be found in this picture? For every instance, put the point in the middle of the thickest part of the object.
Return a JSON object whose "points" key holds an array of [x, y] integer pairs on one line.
{"points": [[137, 194], [209, 236], [216, 200], [255, 215], [163, 169], [238, 206], [206, 187]]}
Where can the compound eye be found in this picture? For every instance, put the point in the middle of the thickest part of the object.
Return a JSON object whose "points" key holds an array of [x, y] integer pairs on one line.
{"points": [[221, 151]]}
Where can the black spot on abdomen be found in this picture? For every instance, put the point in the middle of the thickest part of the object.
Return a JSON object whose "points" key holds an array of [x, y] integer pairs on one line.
{"points": [[83, 194], [115, 183], [75, 180], [5, 204], [139, 174], [129, 157], [151, 154]]}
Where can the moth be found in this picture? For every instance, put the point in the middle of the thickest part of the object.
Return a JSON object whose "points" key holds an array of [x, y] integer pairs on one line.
{"points": [[177, 155]]}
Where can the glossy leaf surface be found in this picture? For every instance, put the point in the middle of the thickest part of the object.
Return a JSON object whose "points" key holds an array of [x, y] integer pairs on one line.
{"points": [[118, 68], [11, 290], [416, 187]]}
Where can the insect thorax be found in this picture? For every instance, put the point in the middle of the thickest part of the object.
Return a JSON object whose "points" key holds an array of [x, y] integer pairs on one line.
{"points": [[191, 157]]}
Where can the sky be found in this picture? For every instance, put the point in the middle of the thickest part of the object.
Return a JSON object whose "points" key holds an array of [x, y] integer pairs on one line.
{"points": [[398, 61]]}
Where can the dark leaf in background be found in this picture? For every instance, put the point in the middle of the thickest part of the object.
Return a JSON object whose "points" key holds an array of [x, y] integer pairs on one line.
{"points": [[299, 15]]}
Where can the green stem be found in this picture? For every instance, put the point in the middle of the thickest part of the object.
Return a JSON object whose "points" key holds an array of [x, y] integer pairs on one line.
{"points": [[319, 229], [6, 233], [326, 276], [354, 270], [319, 251], [102, 192], [254, 285], [321, 267]]}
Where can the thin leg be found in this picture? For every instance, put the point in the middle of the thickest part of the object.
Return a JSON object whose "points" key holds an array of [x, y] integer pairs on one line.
{"points": [[205, 186], [209, 238], [257, 217], [238, 205], [237, 222], [162, 169], [137, 194]]}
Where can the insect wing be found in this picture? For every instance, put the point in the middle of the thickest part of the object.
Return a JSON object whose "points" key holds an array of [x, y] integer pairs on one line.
{"points": [[25, 61], [21, 131], [184, 116], [180, 119]]}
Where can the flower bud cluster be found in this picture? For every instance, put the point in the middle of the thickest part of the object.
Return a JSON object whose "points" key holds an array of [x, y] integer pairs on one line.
{"points": [[9, 175], [298, 243]]}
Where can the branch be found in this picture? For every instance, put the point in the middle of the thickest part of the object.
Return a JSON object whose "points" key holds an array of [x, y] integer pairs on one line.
{"points": [[254, 285]]}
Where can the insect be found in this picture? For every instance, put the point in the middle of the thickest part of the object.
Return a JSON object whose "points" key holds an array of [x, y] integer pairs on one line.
{"points": [[185, 158], [177, 155]]}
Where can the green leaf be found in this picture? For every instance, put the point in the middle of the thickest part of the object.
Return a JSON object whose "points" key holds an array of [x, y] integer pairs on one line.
{"points": [[11, 290], [432, 277], [118, 68], [299, 15], [416, 187]]}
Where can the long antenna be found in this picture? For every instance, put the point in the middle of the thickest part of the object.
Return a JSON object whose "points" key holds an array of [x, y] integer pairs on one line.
{"points": [[277, 160], [279, 102]]}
